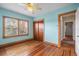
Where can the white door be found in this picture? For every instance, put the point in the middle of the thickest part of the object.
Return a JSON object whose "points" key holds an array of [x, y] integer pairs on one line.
{"points": [[77, 32]]}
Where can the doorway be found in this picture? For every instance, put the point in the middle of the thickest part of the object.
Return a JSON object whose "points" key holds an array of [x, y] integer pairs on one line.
{"points": [[66, 29], [38, 27]]}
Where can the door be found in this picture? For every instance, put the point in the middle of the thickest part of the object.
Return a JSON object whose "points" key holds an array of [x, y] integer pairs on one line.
{"points": [[38, 30], [77, 33]]}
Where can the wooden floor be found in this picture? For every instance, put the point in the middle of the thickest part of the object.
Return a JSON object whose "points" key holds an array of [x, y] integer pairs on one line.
{"points": [[35, 48]]}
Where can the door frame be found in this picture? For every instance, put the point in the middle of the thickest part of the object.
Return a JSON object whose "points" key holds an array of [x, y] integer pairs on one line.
{"points": [[42, 20], [59, 25]]}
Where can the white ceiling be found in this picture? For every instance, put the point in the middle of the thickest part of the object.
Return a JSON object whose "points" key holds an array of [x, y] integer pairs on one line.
{"points": [[45, 8]]}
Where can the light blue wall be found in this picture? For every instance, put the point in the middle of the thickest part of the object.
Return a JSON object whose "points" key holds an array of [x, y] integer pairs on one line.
{"points": [[51, 22], [4, 12]]}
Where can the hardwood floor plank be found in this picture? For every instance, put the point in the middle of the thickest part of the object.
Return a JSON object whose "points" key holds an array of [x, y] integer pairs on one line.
{"points": [[45, 51], [57, 52], [37, 49], [51, 51], [73, 52], [66, 52]]}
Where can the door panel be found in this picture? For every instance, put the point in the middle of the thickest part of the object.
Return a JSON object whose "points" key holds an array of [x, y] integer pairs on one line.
{"points": [[41, 31], [38, 30]]}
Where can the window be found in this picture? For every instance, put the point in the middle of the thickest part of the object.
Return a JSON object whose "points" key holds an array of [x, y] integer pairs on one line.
{"points": [[14, 27]]}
